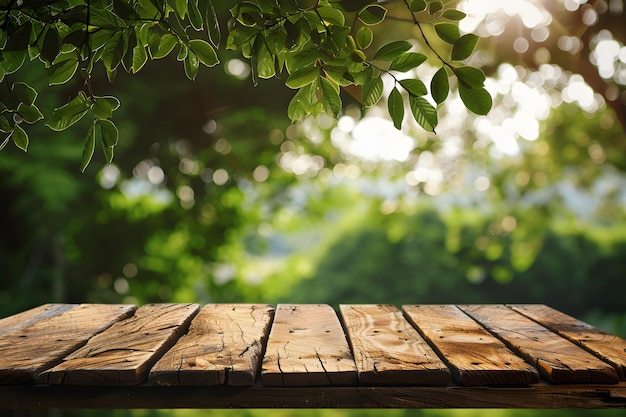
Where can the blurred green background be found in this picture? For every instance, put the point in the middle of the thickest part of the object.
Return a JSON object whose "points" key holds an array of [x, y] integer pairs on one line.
{"points": [[214, 196]]}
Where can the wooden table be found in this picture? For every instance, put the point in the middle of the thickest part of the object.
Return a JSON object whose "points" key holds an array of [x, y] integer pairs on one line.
{"points": [[245, 355]]}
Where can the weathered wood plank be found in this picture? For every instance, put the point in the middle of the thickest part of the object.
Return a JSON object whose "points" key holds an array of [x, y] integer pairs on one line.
{"points": [[388, 350], [124, 353], [26, 352], [557, 359], [609, 348], [307, 346], [541, 395], [474, 356], [223, 345], [32, 316]]}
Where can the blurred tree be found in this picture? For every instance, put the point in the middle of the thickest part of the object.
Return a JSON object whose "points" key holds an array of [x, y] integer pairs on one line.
{"points": [[430, 257]]}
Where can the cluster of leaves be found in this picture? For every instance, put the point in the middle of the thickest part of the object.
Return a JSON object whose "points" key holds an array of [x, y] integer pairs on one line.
{"points": [[324, 46], [321, 47], [70, 37]]}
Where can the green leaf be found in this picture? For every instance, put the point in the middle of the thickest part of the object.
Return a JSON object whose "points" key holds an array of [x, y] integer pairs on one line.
{"points": [[434, 7], [453, 14], [276, 40], [407, 61], [423, 113], [13, 60], [205, 52], [65, 116], [6, 140], [302, 77], [417, 5], [140, 57], [108, 152], [337, 37], [293, 34], [395, 105], [30, 113], [338, 75], [100, 38], [390, 51], [331, 16], [103, 107], [18, 35], [166, 44], [88, 148], [124, 10], [76, 38], [179, 6], [372, 15], [448, 32], [477, 100], [372, 91], [101, 17], [192, 65], [131, 41], [263, 60], [464, 47], [114, 51], [5, 126], [301, 105], [213, 25], [110, 134], [248, 14], [330, 97], [364, 37], [470, 77], [414, 87], [24, 93], [51, 44], [182, 53], [20, 137], [63, 71], [440, 85], [195, 17], [301, 59]]}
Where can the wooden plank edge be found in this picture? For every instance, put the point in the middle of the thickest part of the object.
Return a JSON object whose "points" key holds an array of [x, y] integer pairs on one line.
{"points": [[127, 377], [619, 368], [540, 395], [33, 316], [563, 375]]}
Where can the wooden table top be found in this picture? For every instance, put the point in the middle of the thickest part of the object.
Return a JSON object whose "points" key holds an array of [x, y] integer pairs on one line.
{"points": [[305, 355]]}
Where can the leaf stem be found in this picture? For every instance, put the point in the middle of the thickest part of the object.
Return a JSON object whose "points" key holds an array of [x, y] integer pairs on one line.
{"points": [[426, 41]]}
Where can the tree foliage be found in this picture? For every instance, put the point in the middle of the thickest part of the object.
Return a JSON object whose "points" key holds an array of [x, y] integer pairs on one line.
{"points": [[317, 47]]}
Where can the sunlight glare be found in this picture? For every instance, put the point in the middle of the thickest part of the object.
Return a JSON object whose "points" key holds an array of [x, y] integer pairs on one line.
{"points": [[531, 12], [373, 138]]}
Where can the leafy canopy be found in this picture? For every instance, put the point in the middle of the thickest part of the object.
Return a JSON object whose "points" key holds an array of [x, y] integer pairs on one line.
{"points": [[318, 47]]}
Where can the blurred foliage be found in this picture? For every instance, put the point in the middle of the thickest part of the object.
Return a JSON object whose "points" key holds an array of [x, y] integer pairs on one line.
{"points": [[465, 256]]}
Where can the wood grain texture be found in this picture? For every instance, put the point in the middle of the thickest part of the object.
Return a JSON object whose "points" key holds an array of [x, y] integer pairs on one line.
{"points": [[609, 348], [388, 350], [474, 356], [223, 345], [541, 395], [29, 317], [557, 359], [27, 351], [124, 353], [307, 346]]}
